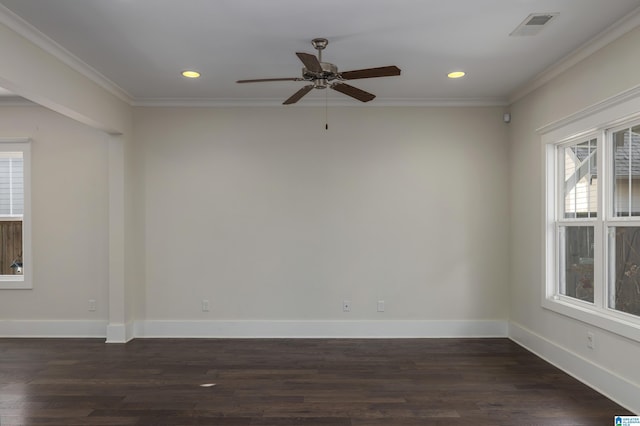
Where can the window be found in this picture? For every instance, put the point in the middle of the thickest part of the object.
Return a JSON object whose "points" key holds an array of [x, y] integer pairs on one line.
{"points": [[578, 212], [15, 259], [593, 226], [624, 234]]}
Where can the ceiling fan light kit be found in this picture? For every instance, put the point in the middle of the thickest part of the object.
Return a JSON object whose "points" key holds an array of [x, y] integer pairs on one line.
{"points": [[324, 75]]}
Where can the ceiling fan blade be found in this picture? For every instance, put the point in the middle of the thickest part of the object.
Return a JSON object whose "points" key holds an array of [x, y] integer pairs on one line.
{"points": [[259, 80], [298, 95], [371, 73], [310, 62], [354, 92]]}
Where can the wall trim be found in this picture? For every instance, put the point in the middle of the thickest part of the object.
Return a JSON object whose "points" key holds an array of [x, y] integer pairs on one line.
{"points": [[320, 329], [277, 102], [53, 328], [119, 333], [612, 33], [16, 101], [627, 100], [28, 31], [591, 374], [124, 332]]}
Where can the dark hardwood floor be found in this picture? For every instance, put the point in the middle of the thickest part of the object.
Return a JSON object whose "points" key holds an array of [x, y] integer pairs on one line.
{"points": [[293, 382]]}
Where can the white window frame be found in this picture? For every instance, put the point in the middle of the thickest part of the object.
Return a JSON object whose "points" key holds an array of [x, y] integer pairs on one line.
{"points": [[595, 120], [24, 281], [560, 223]]}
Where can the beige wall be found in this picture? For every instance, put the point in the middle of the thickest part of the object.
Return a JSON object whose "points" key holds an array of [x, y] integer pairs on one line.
{"points": [[604, 74], [38, 75], [270, 216], [70, 217]]}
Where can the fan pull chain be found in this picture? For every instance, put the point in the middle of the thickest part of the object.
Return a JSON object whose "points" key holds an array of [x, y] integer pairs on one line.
{"points": [[326, 110]]}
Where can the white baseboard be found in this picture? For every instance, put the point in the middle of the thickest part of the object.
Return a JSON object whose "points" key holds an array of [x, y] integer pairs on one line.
{"points": [[320, 329], [55, 328], [593, 375], [122, 333]]}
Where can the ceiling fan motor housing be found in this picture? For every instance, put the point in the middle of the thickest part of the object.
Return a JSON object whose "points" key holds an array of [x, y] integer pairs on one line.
{"points": [[329, 73]]}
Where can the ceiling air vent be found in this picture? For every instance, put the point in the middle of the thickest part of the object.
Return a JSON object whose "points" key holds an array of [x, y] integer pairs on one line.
{"points": [[533, 24]]}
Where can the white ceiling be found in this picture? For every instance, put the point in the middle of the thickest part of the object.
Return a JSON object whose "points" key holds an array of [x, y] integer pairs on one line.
{"points": [[141, 46]]}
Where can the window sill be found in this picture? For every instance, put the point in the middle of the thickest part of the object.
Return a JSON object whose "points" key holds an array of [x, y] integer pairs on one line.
{"points": [[588, 314], [12, 282]]}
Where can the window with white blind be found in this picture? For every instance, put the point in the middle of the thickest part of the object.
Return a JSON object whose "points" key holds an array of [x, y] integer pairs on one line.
{"points": [[11, 184], [15, 259]]}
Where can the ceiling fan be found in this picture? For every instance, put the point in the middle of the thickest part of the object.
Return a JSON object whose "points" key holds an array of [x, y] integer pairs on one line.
{"points": [[324, 74]]}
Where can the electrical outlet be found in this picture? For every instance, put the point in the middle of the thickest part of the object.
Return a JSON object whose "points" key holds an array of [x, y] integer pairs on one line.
{"points": [[380, 305], [346, 306], [591, 340], [92, 305], [205, 305]]}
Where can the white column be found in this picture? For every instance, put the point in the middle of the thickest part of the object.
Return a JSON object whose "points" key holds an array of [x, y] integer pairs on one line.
{"points": [[117, 330]]}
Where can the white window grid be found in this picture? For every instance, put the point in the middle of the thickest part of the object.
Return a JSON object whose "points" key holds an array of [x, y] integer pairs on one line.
{"points": [[604, 224]]}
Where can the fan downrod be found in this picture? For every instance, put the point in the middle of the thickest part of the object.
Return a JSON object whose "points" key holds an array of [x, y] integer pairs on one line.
{"points": [[319, 44]]}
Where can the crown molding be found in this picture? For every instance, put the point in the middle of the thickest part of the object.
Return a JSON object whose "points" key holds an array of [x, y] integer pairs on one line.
{"points": [[26, 30], [12, 101], [277, 102], [612, 33]]}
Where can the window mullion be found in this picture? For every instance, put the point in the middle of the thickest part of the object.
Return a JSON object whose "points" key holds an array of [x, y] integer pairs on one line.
{"points": [[599, 264], [630, 178], [10, 187], [600, 231], [607, 186], [595, 149], [560, 170], [562, 266], [610, 288]]}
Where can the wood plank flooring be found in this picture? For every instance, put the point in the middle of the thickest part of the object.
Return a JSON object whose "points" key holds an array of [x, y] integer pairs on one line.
{"points": [[294, 382]]}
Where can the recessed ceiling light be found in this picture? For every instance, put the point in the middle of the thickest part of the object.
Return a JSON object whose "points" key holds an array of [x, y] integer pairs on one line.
{"points": [[456, 74], [190, 74]]}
